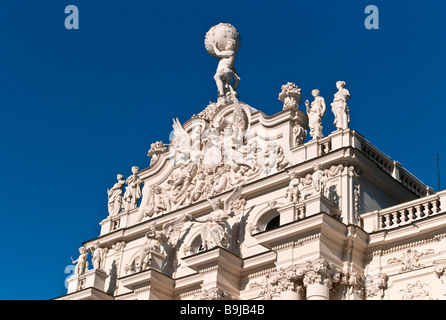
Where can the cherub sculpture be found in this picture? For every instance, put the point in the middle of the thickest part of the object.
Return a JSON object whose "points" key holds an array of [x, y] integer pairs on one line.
{"points": [[214, 231], [294, 188], [157, 203], [82, 263], [198, 187]]}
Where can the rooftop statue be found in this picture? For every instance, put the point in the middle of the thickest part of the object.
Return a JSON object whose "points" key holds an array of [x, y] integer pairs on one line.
{"points": [[132, 191], [115, 196], [315, 111], [222, 42], [81, 262], [339, 106], [290, 96]]}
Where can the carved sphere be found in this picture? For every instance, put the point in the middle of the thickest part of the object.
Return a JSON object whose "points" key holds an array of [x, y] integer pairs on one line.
{"points": [[219, 35]]}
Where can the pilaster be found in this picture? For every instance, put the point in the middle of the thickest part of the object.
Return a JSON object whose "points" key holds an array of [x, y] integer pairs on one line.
{"points": [[219, 268]]}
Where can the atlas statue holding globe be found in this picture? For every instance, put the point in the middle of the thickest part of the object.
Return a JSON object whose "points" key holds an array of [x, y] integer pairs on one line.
{"points": [[222, 42]]}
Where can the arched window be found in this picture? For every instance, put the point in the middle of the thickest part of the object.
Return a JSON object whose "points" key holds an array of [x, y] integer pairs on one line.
{"points": [[274, 223], [269, 220], [196, 245]]}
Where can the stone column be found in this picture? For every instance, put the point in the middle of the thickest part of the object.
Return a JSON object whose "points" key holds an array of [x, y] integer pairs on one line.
{"points": [[290, 295], [316, 291], [220, 269]]}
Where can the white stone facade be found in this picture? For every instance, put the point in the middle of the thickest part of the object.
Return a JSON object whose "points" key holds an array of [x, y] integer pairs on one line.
{"points": [[237, 206]]}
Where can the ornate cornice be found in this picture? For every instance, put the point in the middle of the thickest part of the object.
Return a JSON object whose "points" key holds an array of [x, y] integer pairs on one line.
{"points": [[379, 251]]}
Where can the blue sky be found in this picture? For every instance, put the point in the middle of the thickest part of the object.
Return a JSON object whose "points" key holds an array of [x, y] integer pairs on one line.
{"points": [[79, 106]]}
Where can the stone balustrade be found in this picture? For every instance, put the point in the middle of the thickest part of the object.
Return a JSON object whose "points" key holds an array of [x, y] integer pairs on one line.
{"points": [[350, 138], [384, 162], [394, 169], [405, 213]]}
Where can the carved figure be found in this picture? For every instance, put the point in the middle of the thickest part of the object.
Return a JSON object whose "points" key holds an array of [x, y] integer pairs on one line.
{"points": [[152, 244], [239, 124], [226, 70], [199, 185], [163, 241], [220, 153], [269, 158], [115, 197], [339, 106], [319, 179], [98, 256], [315, 113], [233, 149], [132, 191], [293, 190], [82, 263], [223, 41], [281, 161], [212, 153], [213, 231], [222, 180], [179, 144], [196, 154], [159, 203]]}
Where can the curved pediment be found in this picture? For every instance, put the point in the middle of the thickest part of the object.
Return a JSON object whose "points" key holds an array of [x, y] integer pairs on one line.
{"points": [[209, 154]]}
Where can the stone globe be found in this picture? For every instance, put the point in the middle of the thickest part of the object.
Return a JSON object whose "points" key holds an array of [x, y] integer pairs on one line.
{"points": [[219, 35]]}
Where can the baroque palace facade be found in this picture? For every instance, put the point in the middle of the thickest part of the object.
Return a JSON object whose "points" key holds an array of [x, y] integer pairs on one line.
{"points": [[239, 206]]}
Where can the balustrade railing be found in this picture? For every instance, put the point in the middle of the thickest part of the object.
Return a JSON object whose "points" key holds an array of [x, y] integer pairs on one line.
{"points": [[395, 169], [405, 213]]}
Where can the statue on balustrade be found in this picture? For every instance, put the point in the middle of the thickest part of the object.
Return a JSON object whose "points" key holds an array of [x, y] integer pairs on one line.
{"points": [[82, 263], [340, 108], [115, 197], [315, 112], [132, 191]]}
